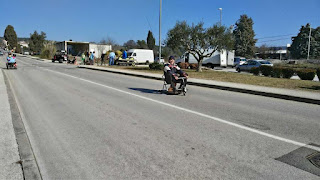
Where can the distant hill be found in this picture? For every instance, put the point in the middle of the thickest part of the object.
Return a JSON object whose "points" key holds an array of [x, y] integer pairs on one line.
{"points": [[19, 39]]}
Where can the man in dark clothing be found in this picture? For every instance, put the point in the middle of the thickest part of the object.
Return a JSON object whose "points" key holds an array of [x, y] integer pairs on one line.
{"points": [[102, 59], [175, 75]]}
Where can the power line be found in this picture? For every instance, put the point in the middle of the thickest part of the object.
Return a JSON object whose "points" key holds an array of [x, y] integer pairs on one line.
{"points": [[272, 40], [276, 36]]}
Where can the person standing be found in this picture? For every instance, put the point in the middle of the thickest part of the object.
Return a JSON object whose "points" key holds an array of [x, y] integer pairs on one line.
{"points": [[112, 55], [124, 54], [102, 59], [91, 58], [83, 58]]}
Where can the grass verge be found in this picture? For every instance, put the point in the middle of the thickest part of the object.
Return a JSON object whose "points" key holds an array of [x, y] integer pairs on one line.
{"points": [[242, 78]]}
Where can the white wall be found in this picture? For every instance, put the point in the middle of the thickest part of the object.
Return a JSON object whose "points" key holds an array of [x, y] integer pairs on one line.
{"points": [[99, 49]]}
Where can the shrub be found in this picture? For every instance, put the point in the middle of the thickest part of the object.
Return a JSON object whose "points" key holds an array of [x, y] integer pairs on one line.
{"points": [[266, 70], [193, 66], [276, 72], [306, 74], [48, 51], [255, 71], [156, 66], [287, 72], [183, 65]]}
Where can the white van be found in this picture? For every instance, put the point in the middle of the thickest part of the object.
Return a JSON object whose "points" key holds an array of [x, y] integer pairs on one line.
{"points": [[141, 56], [219, 58]]}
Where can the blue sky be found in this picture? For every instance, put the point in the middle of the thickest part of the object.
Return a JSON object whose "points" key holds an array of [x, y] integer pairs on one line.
{"points": [[122, 20]]}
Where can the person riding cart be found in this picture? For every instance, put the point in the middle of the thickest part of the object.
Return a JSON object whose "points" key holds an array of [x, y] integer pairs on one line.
{"points": [[11, 61], [173, 75]]}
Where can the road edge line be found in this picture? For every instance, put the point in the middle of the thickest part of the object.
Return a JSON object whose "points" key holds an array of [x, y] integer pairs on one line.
{"points": [[28, 160]]}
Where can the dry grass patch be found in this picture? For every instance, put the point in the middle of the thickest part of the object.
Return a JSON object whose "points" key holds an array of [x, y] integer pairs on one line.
{"points": [[242, 78]]}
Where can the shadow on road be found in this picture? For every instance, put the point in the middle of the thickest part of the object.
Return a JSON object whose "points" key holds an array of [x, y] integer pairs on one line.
{"points": [[150, 91]]}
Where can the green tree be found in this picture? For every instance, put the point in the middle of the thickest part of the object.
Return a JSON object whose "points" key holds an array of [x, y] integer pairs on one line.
{"points": [[131, 44], [199, 41], [299, 46], [244, 37], [11, 36], [37, 41], [141, 44], [151, 41]]}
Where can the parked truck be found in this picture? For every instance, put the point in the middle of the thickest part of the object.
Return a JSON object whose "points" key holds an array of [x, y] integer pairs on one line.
{"points": [[219, 58], [138, 56]]}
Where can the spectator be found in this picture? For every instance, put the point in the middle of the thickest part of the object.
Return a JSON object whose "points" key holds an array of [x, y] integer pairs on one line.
{"points": [[124, 54], [91, 58], [83, 57], [112, 55], [102, 59]]}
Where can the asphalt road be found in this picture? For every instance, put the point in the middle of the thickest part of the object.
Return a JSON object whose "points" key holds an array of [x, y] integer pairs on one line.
{"points": [[86, 124]]}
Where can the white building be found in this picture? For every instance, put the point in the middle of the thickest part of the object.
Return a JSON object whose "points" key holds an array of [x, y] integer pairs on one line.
{"points": [[75, 48], [23, 43]]}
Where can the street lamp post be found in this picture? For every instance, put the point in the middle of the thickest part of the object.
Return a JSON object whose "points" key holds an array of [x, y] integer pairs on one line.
{"points": [[160, 30], [220, 16], [309, 43]]}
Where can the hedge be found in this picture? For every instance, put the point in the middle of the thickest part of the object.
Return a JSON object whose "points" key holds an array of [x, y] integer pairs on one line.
{"points": [[276, 72], [183, 65], [156, 66], [306, 74], [193, 66], [266, 70], [287, 72], [255, 71]]}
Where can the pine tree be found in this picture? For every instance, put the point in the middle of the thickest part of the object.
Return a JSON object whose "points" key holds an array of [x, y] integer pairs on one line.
{"points": [[151, 40], [244, 37], [11, 37], [299, 46], [37, 41]]}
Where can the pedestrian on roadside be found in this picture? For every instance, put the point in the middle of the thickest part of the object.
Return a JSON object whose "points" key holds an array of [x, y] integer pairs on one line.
{"points": [[112, 55], [91, 58], [83, 58], [102, 59], [87, 57], [124, 54]]}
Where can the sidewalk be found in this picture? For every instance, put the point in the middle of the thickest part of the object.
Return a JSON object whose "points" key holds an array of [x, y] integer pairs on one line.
{"points": [[288, 94], [10, 168]]}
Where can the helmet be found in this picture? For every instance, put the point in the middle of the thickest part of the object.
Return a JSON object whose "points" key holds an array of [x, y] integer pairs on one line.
{"points": [[171, 57]]}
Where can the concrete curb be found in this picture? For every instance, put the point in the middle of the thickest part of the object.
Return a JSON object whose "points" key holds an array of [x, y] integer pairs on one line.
{"points": [[27, 159], [226, 88]]}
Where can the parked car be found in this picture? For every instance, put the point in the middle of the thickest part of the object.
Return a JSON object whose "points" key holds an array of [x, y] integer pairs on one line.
{"points": [[26, 53], [239, 61], [1, 53], [247, 66], [60, 56]]}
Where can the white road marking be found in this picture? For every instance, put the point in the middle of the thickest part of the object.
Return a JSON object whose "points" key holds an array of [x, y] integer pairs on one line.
{"points": [[198, 113]]}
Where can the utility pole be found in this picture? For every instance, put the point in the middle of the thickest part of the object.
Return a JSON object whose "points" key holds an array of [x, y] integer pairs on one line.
{"points": [[220, 16], [309, 43], [160, 30]]}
